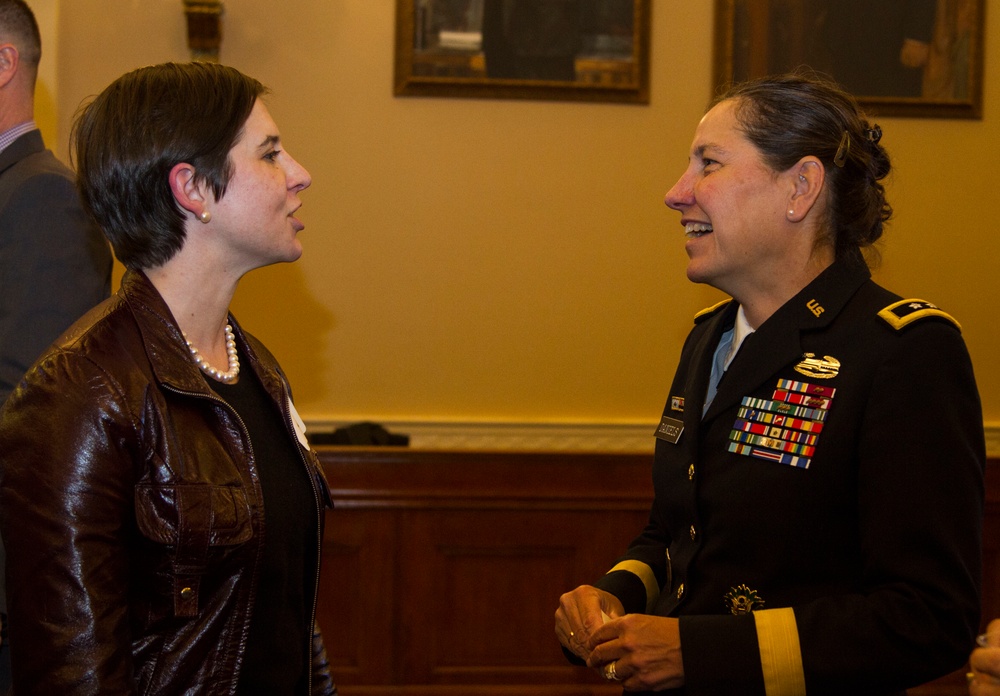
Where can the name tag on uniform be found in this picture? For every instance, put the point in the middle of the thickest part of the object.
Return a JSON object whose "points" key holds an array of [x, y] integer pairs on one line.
{"points": [[670, 430]]}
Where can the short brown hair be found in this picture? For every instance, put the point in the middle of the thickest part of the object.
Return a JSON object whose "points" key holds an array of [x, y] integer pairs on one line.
{"points": [[18, 26], [133, 133]]}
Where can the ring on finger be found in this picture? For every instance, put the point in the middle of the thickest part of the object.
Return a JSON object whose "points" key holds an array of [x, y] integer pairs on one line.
{"points": [[609, 671]]}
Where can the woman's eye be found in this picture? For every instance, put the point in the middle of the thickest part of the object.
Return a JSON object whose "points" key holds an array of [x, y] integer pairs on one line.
{"points": [[272, 155]]}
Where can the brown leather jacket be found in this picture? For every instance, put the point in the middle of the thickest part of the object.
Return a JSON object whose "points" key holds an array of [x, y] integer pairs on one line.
{"points": [[132, 512]]}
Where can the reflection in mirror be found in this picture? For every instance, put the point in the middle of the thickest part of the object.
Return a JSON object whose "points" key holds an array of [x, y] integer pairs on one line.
{"points": [[568, 45]]}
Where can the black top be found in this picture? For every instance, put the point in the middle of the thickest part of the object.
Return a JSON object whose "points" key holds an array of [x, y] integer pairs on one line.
{"points": [[274, 662]]}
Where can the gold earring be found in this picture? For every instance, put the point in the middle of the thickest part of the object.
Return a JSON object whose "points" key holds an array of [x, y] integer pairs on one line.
{"points": [[205, 216]]}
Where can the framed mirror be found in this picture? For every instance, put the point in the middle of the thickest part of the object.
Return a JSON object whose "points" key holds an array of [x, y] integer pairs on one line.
{"points": [[578, 50], [920, 58]]}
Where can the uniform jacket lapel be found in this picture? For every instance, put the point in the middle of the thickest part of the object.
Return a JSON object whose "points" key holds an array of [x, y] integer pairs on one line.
{"points": [[777, 343], [696, 383]]}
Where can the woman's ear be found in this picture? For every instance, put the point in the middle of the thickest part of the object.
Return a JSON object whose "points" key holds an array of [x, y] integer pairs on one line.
{"points": [[807, 178], [190, 193]]}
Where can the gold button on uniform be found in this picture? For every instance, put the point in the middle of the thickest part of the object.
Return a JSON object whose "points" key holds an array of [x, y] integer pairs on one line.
{"points": [[693, 533], [187, 593], [680, 591], [691, 472]]}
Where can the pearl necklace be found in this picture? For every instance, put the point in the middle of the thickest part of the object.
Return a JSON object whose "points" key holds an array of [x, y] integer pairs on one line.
{"points": [[232, 373]]}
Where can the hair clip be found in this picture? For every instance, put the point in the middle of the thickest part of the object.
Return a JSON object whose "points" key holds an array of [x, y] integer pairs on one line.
{"points": [[845, 144], [874, 134]]}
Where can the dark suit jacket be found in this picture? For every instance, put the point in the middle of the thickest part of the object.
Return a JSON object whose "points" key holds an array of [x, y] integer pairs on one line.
{"points": [[54, 264], [865, 539]]}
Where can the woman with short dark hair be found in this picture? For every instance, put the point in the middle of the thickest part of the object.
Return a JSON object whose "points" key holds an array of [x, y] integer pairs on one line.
{"points": [[819, 465], [162, 509]]}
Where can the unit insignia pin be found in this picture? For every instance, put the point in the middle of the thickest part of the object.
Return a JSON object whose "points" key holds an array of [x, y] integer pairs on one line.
{"points": [[742, 600]]}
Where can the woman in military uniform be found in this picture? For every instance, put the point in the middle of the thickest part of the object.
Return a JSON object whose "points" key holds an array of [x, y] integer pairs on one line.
{"points": [[819, 465]]}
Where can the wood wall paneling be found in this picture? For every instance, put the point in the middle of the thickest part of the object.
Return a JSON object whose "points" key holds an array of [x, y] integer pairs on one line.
{"points": [[442, 570]]}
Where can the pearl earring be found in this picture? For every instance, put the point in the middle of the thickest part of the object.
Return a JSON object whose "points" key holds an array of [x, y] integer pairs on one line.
{"points": [[205, 216], [791, 212]]}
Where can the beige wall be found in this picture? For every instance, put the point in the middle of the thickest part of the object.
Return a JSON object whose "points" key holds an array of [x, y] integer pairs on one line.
{"points": [[512, 260]]}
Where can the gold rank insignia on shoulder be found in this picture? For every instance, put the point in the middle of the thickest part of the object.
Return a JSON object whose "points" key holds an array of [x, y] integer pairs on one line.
{"points": [[709, 311], [826, 367], [905, 312], [742, 600]]}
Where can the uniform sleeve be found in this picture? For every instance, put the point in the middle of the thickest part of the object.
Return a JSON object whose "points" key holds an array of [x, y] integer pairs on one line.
{"points": [[920, 481], [636, 578], [915, 611], [54, 266], [66, 494]]}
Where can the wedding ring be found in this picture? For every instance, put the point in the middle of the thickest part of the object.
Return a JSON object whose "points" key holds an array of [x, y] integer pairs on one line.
{"points": [[609, 672], [988, 640]]}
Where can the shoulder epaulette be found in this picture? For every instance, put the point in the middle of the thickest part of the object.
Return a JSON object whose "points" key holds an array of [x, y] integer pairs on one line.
{"points": [[709, 311], [901, 314]]}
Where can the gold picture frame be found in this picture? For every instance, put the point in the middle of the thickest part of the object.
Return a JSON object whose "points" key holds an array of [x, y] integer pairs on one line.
{"points": [[866, 46], [480, 49]]}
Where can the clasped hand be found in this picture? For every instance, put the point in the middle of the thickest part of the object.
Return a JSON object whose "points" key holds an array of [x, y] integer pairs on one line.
{"points": [[645, 650], [984, 679]]}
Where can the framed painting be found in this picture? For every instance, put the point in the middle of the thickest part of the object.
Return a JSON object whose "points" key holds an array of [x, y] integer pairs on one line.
{"points": [[579, 50], [921, 58]]}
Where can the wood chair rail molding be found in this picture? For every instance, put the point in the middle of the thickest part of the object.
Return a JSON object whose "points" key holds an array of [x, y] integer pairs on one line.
{"points": [[399, 477]]}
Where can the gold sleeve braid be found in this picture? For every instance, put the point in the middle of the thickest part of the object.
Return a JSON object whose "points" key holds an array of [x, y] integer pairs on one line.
{"points": [[644, 573], [780, 653]]}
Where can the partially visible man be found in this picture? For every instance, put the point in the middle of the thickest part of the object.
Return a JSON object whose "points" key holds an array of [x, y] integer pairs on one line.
{"points": [[54, 263]]}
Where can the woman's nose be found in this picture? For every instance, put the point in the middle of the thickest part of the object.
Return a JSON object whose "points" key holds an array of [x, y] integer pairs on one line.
{"points": [[298, 176], [680, 194]]}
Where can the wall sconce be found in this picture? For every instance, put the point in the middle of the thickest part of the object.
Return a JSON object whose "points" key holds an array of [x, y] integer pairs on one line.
{"points": [[204, 29]]}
